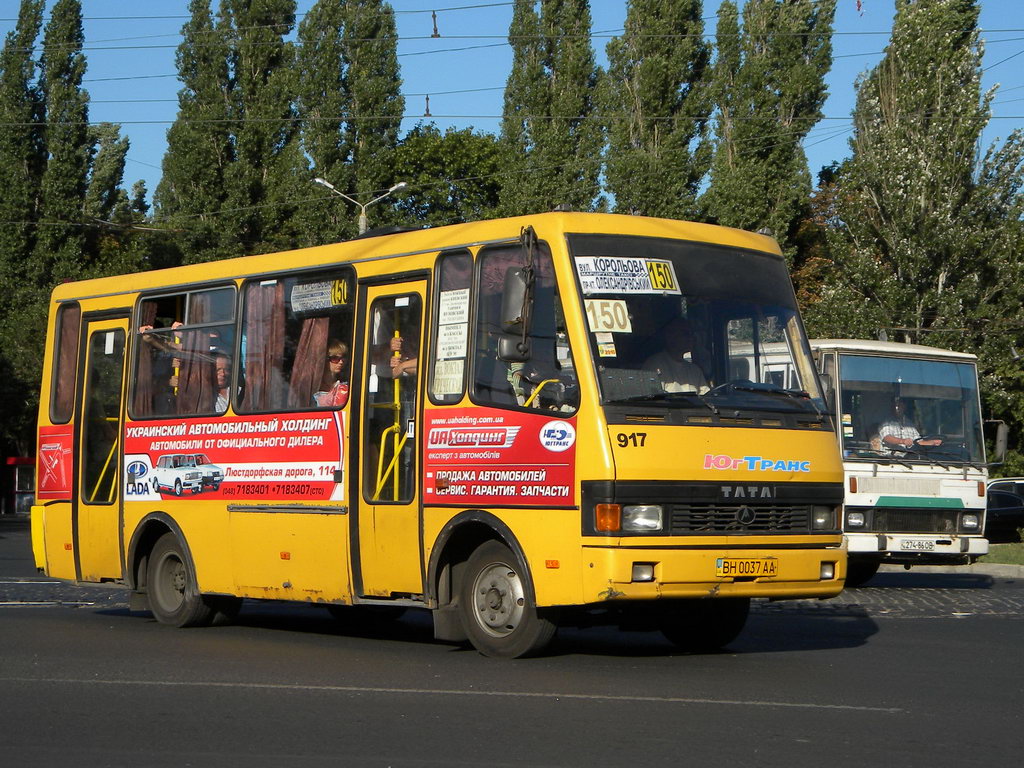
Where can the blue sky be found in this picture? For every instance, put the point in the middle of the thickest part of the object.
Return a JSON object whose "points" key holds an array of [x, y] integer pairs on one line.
{"points": [[131, 76]]}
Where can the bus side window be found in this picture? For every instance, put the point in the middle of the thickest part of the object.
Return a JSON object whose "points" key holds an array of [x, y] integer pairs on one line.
{"points": [[548, 379], [451, 327], [179, 338], [291, 327], [65, 367]]}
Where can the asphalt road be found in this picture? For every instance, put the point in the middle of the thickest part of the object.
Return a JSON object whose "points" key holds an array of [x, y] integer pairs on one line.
{"points": [[913, 669]]}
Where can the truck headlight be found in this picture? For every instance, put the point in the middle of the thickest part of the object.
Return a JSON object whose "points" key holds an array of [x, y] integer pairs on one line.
{"points": [[970, 521], [854, 519], [642, 517], [822, 518]]}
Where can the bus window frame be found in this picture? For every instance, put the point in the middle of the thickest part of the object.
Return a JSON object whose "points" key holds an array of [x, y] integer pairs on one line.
{"points": [[55, 370], [136, 344], [435, 302], [296, 274]]}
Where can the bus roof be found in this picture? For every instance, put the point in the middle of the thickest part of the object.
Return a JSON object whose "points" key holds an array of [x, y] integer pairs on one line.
{"points": [[418, 242], [887, 349]]}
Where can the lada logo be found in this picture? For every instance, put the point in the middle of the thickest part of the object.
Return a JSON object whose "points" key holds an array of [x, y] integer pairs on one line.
{"points": [[137, 469]]}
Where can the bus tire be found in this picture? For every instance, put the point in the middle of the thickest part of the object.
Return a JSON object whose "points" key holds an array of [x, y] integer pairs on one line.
{"points": [[498, 613], [860, 571], [174, 597], [704, 625]]}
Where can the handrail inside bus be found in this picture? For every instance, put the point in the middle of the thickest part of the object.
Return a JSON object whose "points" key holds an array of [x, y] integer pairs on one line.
{"points": [[106, 466]]}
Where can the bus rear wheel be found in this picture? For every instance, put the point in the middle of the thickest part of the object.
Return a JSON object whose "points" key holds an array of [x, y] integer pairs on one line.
{"points": [[174, 597], [704, 625], [498, 613]]}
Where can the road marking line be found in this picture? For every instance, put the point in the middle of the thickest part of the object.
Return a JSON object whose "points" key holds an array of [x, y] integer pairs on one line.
{"points": [[38, 603], [452, 692]]}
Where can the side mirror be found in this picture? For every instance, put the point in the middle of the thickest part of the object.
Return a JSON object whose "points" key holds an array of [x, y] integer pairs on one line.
{"points": [[513, 349], [1002, 438], [828, 388], [516, 300]]}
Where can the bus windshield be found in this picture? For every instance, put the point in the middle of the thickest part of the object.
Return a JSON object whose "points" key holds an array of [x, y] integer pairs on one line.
{"points": [[690, 325], [910, 409]]}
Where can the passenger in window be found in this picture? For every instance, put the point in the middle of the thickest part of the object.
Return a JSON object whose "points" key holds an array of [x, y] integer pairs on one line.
{"points": [[166, 350], [222, 369], [676, 373], [403, 358], [333, 390]]}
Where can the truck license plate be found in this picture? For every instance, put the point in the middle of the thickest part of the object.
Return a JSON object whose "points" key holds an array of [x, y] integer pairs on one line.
{"points": [[917, 545], [746, 567]]}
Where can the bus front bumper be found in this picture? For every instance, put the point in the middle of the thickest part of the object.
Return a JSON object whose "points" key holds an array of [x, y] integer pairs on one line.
{"points": [[642, 573]]}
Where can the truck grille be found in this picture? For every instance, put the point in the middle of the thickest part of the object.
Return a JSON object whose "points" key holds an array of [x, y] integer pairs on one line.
{"points": [[896, 520], [713, 518]]}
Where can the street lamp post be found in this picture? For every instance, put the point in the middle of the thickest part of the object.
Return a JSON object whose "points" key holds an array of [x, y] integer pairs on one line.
{"points": [[362, 206]]}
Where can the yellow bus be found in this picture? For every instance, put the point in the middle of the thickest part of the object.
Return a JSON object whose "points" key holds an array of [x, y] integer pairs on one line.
{"points": [[563, 418]]}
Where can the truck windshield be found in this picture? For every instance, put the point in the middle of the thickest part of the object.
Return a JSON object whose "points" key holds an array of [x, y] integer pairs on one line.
{"points": [[691, 325], [911, 410]]}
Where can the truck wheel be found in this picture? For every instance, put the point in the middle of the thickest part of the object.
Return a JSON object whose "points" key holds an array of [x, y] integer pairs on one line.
{"points": [[498, 613], [174, 597], [706, 624], [860, 571]]}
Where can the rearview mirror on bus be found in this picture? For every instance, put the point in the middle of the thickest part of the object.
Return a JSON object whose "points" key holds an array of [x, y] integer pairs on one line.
{"points": [[1002, 438], [517, 300]]}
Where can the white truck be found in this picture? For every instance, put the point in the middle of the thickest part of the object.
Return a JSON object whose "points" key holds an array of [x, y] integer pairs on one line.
{"points": [[908, 419]]}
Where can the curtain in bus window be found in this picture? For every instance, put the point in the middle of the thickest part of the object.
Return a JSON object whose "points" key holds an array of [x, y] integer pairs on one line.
{"points": [[142, 402], [197, 381], [67, 362], [308, 367], [264, 345]]}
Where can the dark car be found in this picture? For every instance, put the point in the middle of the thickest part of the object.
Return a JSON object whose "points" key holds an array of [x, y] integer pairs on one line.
{"points": [[1004, 514]]}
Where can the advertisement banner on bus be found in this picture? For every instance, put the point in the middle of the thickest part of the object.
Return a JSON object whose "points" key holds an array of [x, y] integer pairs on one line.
{"points": [[486, 457], [280, 457]]}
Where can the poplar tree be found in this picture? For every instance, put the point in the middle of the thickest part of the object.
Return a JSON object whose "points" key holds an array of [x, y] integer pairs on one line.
{"points": [[769, 89], [351, 107], [549, 131], [656, 100], [191, 192], [263, 181], [60, 244], [926, 237], [21, 164]]}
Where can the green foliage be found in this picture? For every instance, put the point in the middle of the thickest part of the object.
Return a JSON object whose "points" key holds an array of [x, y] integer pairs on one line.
{"points": [[656, 96], [199, 146], [453, 177], [925, 238], [769, 89], [351, 107], [551, 140]]}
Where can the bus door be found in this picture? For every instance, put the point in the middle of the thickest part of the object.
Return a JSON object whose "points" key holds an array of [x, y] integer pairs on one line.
{"points": [[389, 553], [98, 471]]}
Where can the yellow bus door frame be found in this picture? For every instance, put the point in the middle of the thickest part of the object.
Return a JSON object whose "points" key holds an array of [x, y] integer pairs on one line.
{"points": [[98, 472], [387, 556]]}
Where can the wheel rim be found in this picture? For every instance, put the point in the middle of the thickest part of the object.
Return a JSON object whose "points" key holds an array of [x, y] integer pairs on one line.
{"points": [[169, 588], [498, 599]]}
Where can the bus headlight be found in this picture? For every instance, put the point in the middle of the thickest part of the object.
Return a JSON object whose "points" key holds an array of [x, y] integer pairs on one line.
{"points": [[642, 517], [854, 519], [822, 518], [969, 521]]}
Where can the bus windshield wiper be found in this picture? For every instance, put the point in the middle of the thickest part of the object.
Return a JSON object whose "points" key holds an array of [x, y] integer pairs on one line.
{"points": [[689, 397], [765, 389]]}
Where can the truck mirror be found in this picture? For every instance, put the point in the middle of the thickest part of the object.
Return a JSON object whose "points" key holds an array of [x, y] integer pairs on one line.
{"points": [[1002, 438]]}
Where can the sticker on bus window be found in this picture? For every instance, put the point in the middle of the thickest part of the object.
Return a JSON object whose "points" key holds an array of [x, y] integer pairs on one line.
{"points": [[605, 344], [608, 315], [451, 341], [615, 274], [453, 307], [308, 297], [448, 377]]}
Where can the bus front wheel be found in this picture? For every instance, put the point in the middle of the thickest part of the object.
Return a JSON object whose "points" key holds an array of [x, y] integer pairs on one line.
{"points": [[174, 597], [704, 625], [860, 571], [498, 613]]}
